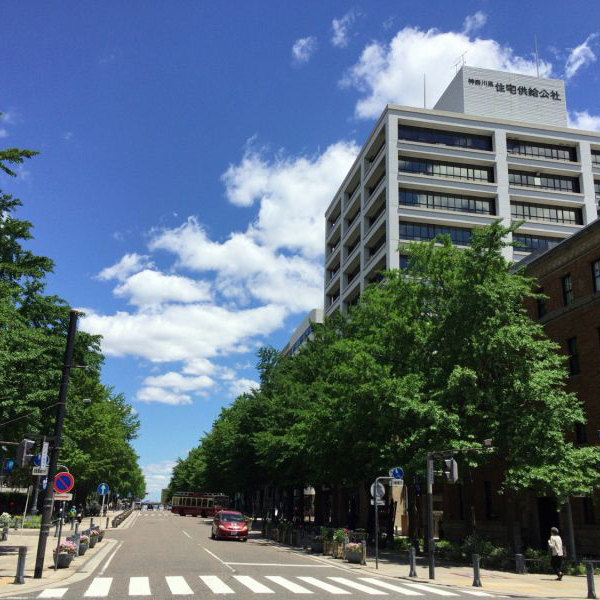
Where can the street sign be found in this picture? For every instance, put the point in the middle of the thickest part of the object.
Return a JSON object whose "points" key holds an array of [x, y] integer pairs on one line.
{"points": [[396, 482], [379, 502], [39, 471], [9, 465], [44, 483], [63, 482], [44, 459], [103, 489], [397, 472], [63, 497], [379, 491]]}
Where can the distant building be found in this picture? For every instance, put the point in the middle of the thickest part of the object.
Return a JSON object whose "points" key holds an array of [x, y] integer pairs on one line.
{"points": [[303, 332], [495, 146]]}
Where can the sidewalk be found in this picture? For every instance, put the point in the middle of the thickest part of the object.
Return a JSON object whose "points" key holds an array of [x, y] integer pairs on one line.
{"points": [[29, 538]]}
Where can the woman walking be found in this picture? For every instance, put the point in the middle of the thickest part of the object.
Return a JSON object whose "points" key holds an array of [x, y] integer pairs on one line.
{"points": [[556, 548]]}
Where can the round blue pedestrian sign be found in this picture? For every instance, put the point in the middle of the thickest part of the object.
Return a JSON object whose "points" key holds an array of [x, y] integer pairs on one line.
{"points": [[103, 489], [397, 472]]}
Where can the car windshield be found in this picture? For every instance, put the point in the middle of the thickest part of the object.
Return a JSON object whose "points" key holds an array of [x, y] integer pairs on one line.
{"points": [[232, 518]]}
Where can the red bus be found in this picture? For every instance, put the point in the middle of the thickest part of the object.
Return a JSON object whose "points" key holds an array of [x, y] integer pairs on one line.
{"points": [[198, 504]]}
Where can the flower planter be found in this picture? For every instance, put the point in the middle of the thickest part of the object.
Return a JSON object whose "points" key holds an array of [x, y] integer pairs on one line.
{"points": [[83, 548], [100, 537], [354, 557], [327, 547], [316, 546], [338, 549], [92, 541], [63, 560]]}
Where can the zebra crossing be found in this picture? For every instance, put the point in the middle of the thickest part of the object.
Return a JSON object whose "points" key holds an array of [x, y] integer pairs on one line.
{"points": [[100, 587]]}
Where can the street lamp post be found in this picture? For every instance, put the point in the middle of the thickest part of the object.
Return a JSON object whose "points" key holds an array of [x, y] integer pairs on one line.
{"points": [[60, 415]]}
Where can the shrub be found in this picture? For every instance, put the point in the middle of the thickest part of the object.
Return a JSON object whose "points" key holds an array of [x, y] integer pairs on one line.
{"points": [[67, 547], [339, 535], [401, 543], [354, 547], [326, 534]]}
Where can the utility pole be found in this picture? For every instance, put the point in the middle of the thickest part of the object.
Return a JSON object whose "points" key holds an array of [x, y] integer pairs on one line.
{"points": [[430, 539], [60, 415]]}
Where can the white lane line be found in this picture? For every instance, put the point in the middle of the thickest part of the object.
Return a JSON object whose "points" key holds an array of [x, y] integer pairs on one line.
{"points": [[215, 585], [477, 593], [179, 586], [389, 586], [288, 585], [186, 533], [358, 586], [53, 593], [332, 589], [252, 584], [139, 586], [430, 589], [110, 558], [99, 588], [221, 561], [278, 565]]}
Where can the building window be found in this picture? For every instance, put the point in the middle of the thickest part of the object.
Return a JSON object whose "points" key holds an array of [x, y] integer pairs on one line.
{"points": [[529, 243], [425, 232], [483, 206], [596, 275], [567, 288], [522, 211], [542, 307], [447, 138], [597, 189], [573, 356], [403, 261], [445, 169], [487, 488], [558, 183], [536, 150], [580, 433], [589, 513], [596, 157], [373, 250]]}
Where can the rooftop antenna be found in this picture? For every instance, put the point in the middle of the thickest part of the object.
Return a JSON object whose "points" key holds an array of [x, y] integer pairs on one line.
{"points": [[424, 91], [537, 56], [460, 60]]}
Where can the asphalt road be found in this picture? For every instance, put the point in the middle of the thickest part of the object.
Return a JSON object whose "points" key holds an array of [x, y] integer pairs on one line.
{"points": [[163, 555]]}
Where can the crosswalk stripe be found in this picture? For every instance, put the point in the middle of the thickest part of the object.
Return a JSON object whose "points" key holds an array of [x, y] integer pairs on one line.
{"points": [[178, 586], [477, 593], [139, 586], [53, 593], [99, 587], [358, 586], [288, 585], [253, 585], [431, 589], [389, 586], [216, 585], [332, 589]]}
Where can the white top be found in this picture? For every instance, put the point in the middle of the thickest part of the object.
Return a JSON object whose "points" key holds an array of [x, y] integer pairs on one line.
{"points": [[555, 545]]}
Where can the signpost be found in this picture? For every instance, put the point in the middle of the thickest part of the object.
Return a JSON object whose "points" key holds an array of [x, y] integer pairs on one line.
{"points": [[63, 484], [378, 491], [103, 490]]}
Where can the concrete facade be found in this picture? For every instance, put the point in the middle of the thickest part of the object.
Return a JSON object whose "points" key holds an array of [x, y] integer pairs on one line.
{"points": [[368, 217], [302, 332]]}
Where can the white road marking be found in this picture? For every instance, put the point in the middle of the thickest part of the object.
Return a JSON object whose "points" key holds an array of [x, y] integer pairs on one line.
{"points": [[110, 558], [252, 584], [431, 589], [288, 585], [476, 593], [99, 588], [178, 586], [186, 533], [221, 561], [215, 585], [139, 586], [53, 593], [389, 586], [278, 565], [332, 589], [358, 586]]}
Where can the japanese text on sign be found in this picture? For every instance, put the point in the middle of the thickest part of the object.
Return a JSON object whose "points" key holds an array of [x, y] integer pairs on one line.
{"points": [[521, 90]]}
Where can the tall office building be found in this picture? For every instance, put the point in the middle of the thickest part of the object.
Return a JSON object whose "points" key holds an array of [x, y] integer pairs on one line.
{"points": [[495, 146]]}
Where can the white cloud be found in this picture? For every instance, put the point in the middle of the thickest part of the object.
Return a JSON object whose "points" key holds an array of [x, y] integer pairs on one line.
{"points": [[580, 56], [393, 73], [68, 135], [583, 120], [340, 29], [129, 264], [149, 288], [157, 476], [242, 385], [178, 382], [474, 22], [3, 133], [159, 395], [303, 49], [10, 117]]}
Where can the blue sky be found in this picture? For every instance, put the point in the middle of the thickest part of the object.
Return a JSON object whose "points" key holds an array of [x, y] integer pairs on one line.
{"points": [[189, 150]]}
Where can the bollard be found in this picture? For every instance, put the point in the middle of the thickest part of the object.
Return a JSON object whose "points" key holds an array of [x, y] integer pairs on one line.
{"points": [[520, 562], [364, 553], [4, 534], [589, 571], [106, 523], [476, 577], [77, 527], [412, 561], [77, 539], [71, 527], [20, 576]]}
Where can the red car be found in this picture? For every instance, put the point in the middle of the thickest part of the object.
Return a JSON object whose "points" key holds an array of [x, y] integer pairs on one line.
{"points": [[229, 524]]}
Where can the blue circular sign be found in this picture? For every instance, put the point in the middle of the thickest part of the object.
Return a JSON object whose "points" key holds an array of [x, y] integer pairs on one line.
{"points": [[397, 472], [9, 465], [37, 460], [103, 489], [63, 483]]}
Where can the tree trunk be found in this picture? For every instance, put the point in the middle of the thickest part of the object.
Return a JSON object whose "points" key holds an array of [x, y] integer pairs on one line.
{"points": [[469, 489]]}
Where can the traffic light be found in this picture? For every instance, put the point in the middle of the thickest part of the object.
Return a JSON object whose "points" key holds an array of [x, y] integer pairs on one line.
{"points": [[450, 470], [23, 456]]}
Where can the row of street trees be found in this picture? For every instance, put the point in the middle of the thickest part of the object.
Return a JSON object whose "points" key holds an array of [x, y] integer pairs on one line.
{"points": [[97, 437], [440, 355]]}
